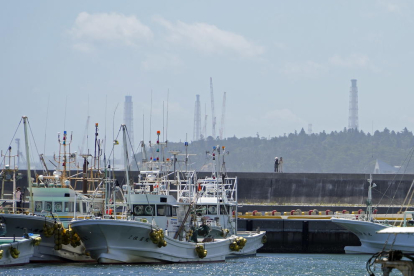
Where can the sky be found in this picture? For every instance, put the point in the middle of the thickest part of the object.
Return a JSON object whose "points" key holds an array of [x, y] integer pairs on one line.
{"points": [[282, 64]]}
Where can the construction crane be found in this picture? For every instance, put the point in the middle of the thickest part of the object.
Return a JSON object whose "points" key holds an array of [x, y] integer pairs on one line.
{"points": [[223, 113], [213, 115]]}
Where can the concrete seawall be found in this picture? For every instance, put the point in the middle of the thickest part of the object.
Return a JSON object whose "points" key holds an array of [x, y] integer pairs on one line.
{"points": [[320, 189], [304, 188]]}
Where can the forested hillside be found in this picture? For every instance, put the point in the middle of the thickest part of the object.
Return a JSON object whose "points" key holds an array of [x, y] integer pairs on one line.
{"points": [[347, 151]]}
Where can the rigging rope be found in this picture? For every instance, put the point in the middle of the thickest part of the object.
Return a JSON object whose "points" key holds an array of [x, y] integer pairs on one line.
{"points": [[34, 141], [408, 157], [14, 135]]}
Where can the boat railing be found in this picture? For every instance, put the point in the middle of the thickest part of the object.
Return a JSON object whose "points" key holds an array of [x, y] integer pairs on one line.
{"points": [[405, 217]]}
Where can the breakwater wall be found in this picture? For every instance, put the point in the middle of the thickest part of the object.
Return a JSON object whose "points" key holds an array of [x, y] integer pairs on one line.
{"points": [[320, 188], [281, 189]]}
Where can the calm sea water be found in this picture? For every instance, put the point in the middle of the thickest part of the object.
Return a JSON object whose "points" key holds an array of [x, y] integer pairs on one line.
{"points": [[263, 264]]}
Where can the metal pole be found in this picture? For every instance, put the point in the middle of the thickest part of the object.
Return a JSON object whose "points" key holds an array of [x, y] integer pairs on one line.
{"points": [[126, 166], [29, 176]]}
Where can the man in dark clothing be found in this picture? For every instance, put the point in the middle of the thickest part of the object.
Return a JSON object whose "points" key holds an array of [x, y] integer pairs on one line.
{"points": [[276, 164]]}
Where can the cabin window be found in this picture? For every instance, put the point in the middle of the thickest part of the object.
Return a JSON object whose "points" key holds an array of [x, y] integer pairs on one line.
{"points": [[38, 206], [48, 206], [212, 209], [160, 210], [58, 206], [138, 210], [168, 210], [78, 207], [164, 210], [84, 207], [149, 210], [146, 210], [68, 206], [174, 211]]}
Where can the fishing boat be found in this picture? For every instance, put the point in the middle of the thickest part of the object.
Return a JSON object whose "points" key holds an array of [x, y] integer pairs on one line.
{"points": [[366, 226], [153, 225], [217, 205], [393, 259], [54, 200], [16, 250]]}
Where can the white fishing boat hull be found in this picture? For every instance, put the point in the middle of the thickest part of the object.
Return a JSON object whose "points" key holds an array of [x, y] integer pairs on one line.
{"points": [[121, 241], [45, 252], [371, 241], [25, 246], [254, 242]]}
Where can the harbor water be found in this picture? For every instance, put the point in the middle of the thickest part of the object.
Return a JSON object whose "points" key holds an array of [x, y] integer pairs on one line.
{"points": [[263, 264]]}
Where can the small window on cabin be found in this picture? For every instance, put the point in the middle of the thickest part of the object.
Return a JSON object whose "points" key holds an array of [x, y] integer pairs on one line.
{"points": [[174, 211], [78, 207], [68, 206], [58, 207], [84, 207], [161, 210], [48, 206], [38, 206], [212, 209]]}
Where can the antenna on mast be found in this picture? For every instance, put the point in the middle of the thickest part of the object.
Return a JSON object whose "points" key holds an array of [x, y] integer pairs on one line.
{"points": [[150, 121], [223, 113]]}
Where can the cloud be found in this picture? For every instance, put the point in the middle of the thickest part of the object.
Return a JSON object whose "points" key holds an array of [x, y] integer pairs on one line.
{"points": [[161, 62], [209, 38], [83, 47], [117, 28], [353, 60], [280, 45], [390, 6]]}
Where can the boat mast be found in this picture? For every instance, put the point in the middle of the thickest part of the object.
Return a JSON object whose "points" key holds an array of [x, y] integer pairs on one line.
{"points": [[126, 166], [29, 176], [369, 200]]}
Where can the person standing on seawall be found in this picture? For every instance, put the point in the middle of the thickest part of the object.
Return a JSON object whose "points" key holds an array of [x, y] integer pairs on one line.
{"points": [[18, 198], [276, 164]]}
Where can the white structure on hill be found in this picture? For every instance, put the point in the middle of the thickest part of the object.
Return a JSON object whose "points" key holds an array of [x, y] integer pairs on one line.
{"points": [[353, 106]]}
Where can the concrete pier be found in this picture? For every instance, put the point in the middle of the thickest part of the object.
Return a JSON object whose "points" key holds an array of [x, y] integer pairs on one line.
{"points": [[301, 236]]}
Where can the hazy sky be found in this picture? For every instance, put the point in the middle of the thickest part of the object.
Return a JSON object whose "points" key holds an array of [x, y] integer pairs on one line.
{"points": [[283, 64]]}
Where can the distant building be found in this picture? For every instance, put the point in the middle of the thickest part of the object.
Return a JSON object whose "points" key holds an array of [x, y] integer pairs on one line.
{"points": [[383, 168], [353, 106]]}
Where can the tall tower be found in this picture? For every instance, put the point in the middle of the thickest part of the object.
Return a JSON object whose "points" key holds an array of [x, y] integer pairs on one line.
{"points": [[197, 119], [129, 120], [353, 106]]}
